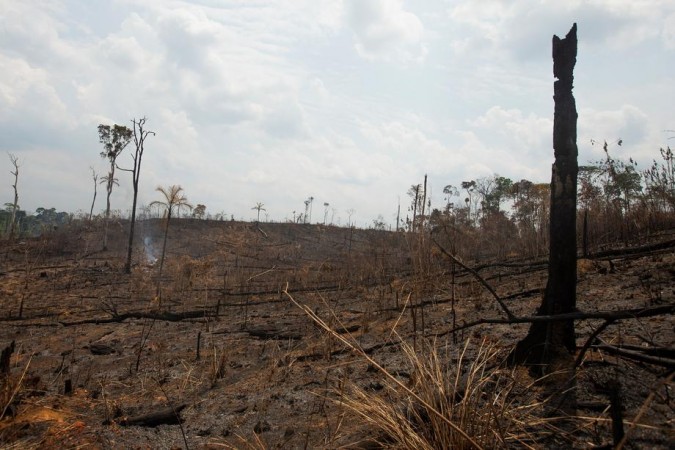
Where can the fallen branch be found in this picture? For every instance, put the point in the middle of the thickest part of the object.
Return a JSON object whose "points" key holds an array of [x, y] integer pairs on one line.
{"points": [[668, 363], [607, 315], [164, 416], [164, 316], [273, 334], [478, 277], [634, 251]]}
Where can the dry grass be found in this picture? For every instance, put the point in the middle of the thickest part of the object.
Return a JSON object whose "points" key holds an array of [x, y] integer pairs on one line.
{"points": [[444, 402], [472, 402]]}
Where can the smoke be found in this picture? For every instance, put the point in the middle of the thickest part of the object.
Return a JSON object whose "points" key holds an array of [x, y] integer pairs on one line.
{"points": [[149, 250]]}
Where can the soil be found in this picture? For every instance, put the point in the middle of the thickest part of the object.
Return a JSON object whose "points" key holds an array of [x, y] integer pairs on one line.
{"points": [[221, 357]]}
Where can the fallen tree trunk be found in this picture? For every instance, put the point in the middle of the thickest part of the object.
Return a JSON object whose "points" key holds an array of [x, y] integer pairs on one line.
{"points": [[164, 416]]}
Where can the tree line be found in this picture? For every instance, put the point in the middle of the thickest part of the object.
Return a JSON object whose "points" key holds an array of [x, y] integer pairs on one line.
{"points": [[498, 216]]}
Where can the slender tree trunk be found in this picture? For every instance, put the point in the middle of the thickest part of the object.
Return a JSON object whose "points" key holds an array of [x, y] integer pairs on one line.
{"points": [[139, 141], [109, 186], [127, 266], [398, 214], [15, 205], [585, 234], [417, 194], [91, 211], [424, 200], [546, 342], [161, 261]]}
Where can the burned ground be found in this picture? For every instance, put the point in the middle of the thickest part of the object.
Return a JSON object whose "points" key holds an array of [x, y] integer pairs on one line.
{"points": [[101, 360]]}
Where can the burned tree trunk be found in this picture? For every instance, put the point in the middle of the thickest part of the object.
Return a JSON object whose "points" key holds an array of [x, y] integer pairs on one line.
{"points": [[547, 341]]}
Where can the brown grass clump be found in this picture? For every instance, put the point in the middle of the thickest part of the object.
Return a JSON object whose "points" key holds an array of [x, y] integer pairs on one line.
{"points": [[468, 403], [471, 403]]}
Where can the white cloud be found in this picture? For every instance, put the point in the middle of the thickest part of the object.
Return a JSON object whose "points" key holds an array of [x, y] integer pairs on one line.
{"points": [[515, 144], [277, 101], [523, 28], [384, 30]]}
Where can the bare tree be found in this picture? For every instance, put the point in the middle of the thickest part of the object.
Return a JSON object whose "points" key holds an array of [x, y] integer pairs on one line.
{"points": [[173, 199], [114, 139], [15, 162], [414, 193], [311, 202], [350, 213], [259, 207], [307, 202], [548, 341], [94, 176], [139, 141]]}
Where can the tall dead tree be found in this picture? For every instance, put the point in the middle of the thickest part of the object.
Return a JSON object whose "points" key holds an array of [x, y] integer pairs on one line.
{"points": [[139, 141], [547, 341], [94, 176], [12, 224]]}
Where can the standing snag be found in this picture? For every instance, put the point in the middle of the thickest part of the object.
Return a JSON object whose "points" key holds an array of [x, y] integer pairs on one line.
{"points": [[94, 176], [15, 206], [139, 135], [546, 341]]}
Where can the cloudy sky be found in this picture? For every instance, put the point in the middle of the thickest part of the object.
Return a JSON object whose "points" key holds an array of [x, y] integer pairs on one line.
{"points": [[349, 102]]}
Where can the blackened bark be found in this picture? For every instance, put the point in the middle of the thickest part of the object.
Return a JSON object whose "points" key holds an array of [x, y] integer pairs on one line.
{"points": [[545, 341]]}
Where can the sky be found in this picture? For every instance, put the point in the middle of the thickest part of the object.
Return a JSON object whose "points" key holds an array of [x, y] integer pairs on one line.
{"points": [[347, 101]]}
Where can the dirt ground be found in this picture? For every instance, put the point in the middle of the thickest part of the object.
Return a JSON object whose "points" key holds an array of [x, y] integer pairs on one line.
{"points": [[102, 361]]}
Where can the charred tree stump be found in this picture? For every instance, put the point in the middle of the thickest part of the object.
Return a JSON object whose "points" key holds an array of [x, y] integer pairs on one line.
{"points": [[5, 359], [546, 342]]}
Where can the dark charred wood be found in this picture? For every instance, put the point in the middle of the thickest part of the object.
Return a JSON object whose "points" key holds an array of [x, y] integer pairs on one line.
{"points": [[545, 341], [164, 416]]}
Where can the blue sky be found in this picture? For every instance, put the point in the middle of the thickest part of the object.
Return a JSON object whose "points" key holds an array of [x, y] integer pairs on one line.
{"points": [[349, 102]]}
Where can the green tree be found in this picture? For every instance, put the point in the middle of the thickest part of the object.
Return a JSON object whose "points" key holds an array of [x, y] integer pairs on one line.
{"points": [[493, 191], [199, 212], [114, 139], [470, 188], [173, 199], [450, 191]]}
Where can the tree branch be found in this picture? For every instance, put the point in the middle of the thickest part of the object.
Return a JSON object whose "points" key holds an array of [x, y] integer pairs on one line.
{"points": [[478, 277], [668, 363], [607, 315]]}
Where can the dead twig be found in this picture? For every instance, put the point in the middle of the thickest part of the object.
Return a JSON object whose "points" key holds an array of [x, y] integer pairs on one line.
{"points": [[482, 281]]}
